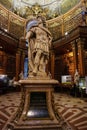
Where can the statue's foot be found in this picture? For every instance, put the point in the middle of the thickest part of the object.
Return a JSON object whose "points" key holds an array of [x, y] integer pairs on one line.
{"points": [[30, 75], [34, 73], [42, 74]]}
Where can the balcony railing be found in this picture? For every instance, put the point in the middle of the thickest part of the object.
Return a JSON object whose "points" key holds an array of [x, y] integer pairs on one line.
{"points": [[16, 25]]}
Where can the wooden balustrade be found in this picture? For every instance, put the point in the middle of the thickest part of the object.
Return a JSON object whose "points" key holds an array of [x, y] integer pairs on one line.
{"points": [[16, 25]]}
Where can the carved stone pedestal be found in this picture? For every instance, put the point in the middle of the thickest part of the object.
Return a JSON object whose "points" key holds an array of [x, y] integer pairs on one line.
{"points": [[36, 108]]}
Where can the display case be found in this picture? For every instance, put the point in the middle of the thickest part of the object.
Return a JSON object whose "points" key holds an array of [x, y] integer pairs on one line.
{"points": [[4, 82]]}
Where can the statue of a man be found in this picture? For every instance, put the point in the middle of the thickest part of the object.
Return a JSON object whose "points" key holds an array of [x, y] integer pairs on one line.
{"points": [[39, 43]]}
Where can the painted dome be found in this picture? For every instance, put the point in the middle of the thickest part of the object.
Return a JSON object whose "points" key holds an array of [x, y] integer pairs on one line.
{"points": [[48, 8]]}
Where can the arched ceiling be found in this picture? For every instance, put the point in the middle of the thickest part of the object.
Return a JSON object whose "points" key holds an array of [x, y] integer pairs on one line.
{"points": [[48, 8]]}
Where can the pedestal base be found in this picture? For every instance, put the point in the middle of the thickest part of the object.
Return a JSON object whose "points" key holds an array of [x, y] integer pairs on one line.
{"points": [[36, 108]]}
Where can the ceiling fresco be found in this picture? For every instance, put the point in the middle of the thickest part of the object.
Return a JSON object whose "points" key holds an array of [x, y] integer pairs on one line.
{"points": [[49, 8]]}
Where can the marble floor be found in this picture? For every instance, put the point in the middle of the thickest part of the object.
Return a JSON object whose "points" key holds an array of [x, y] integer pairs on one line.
{"points": [[72, 109]]}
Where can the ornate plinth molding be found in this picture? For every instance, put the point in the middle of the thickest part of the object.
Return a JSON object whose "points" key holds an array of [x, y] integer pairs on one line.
{"points": [[36, 111]]}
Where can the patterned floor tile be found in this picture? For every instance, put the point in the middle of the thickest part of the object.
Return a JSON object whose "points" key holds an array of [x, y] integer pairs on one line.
{"points": [[73, 110]]}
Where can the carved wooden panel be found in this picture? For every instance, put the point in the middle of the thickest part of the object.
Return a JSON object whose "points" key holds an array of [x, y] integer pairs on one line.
{"points": [[11, 65], [72, 23], [3, 20], [56, 32], [16, 30], [2, 57]]}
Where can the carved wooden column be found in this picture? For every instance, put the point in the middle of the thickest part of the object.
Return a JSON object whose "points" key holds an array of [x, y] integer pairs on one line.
{"points": [[22, 61], [52, 63], [75, 54], [18, 65], [4, 63], [80, 43]]}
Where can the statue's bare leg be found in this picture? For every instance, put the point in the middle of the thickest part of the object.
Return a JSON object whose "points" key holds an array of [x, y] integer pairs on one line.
{"points": [[37, 62], [42, 65]]}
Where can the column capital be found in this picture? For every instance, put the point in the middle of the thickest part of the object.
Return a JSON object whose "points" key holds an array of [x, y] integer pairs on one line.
{"points": [[73, 44], [80, 42], [18, 52]]}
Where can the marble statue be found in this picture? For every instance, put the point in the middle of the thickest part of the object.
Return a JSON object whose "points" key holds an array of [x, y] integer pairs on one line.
{"points": [[39, 43]]}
